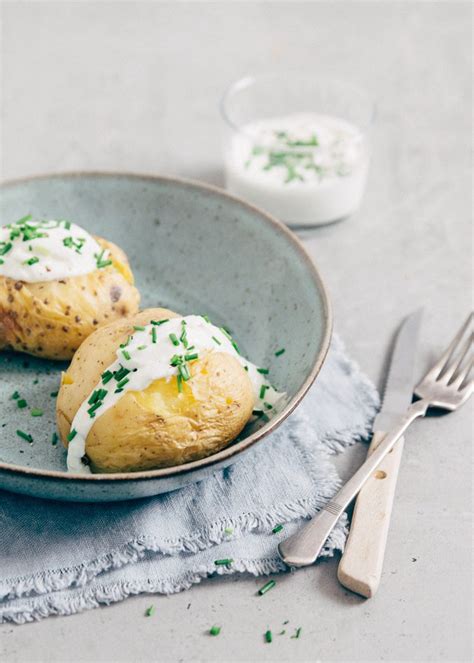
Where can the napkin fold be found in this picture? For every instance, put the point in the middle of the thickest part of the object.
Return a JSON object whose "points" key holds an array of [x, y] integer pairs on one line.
{"points": [[60, 558]]}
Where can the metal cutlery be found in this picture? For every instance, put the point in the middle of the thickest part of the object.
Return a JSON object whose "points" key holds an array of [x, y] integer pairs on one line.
{"points": [[447, 385]]}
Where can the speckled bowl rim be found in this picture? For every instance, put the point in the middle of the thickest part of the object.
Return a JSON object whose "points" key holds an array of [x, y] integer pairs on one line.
{"points": [[239, 447]]}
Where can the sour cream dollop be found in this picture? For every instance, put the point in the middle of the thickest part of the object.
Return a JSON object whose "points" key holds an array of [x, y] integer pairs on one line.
{"points": [[306, 168], [161, 349], [48, 250]]}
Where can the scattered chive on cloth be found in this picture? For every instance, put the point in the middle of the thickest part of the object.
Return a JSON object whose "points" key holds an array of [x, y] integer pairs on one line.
{"points": [[61, 558]]}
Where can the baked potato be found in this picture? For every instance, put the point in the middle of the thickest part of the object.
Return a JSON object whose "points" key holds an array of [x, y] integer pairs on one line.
{"points": [[166, 423], [50, 318]]}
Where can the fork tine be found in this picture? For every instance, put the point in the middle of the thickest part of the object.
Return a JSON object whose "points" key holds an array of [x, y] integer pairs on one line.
{"points": [[453, 369], [462, 375], [468, 390], [443, 361]]}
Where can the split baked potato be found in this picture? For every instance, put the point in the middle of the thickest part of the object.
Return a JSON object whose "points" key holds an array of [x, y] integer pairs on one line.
{"points": [[51, 318], [162, 425]]}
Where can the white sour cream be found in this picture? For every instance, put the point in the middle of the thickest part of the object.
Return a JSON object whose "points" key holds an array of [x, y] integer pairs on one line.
{"points": [[149, 355], [48, 250], [304, 168]]}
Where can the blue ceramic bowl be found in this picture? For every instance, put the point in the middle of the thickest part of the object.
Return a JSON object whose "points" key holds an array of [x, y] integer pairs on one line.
{"points": [[194, 249]]}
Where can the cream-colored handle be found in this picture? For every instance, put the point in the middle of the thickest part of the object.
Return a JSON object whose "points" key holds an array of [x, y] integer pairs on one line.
{"points": [[361, 565]]}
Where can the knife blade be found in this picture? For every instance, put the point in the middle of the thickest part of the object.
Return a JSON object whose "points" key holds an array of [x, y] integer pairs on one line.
{"points": [[361, 565]]}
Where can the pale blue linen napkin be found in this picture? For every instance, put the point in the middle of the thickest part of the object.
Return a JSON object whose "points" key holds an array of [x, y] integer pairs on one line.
{"points": [[60, 558]]}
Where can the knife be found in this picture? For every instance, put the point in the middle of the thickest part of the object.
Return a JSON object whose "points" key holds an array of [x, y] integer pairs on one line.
{"points": [[361, 565]]}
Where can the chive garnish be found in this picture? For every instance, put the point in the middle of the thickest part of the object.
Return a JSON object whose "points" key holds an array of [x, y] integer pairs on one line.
{"points": [[174, 339], [216, 340], [176, 360], [236, 347], [297, 633], [36, 412], [93, 408], [257, 413], [263, 389], [269, 406], [124, 345], [139, 327], [153, 334], [278, 353], [72, 435], [53, 394], [15, 395], [266, 587], [215, 630], [159, 322], [54, 439], [121, 373], [150, 611], [179, 381], [141, 347], [22, 403], [126, 354], [5, 247], [184, 372], [31, 261], [106, 376], [223, 562], [268, 636], [277, 529], [191, 357], [24, 436], [206, 318], [122, 384], [263, 371], [246, 368], [226, 333]]}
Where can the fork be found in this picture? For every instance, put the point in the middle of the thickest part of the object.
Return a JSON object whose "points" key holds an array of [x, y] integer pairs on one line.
{"points": [[446, 386]]}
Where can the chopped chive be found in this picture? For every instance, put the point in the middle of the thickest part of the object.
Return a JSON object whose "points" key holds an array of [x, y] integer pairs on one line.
{"points": [[269, 406], [223, 562], [36, 412], [22, 403], [268, 636], [263, 371], [282, 632], [126, 354], [53, 394], [103, 263], [226, 333], [191, 357], [287, 621], [297, 633], [5, 248], [216, 340], [263, 389], [141, 347], [214, 630], [246, 368], [266, 587], [257, 413], [106, 376], [278, 353], [122, 383], [121, 373], [124, 345], [23, 219], [93, 408], [139, 327], [149, 612], [24, 436], [179, 381], [236, 347], [153, 334], [184, 372], [31, 261], [15, 395], [229, 530], [176, 360], [93, 399], [159, 322], [72, 435], [54, 439], [206, 318], [174, 339], [183, 338], [277, 529]]}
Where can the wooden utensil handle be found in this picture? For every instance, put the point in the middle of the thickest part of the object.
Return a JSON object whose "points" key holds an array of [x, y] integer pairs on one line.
{"points": [[361, 565]]}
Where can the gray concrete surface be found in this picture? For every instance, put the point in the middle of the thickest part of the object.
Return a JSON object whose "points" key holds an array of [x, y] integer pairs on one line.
{"points": [[135, 87]]}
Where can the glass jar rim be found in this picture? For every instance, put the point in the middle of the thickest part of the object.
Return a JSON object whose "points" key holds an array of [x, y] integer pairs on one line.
{"points": [[252, 79]]}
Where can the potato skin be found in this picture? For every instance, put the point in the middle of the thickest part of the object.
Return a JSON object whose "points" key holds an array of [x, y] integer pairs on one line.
{"points": [[157, 427], [51, 318]]}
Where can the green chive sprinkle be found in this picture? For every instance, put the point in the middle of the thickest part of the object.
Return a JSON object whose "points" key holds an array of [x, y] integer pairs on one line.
{"points": [[124, 345], [216, 340], [266, 587], [176, 360], [15, 395], [191, 357], [23, 219], [179, 381], [139, 327], [223, 562], [93, 408], [150, 611], [108, 375], [282, 632], [104, 263], [5, 248], [226, 333], [54, 439], [53, 394], [24, 436], [159, 322], [153, 334], [122, 383], [257, 413], [246, 368], [263, 371], [279, 352], [36, 412], [141, 347], [174, 339], [72, 435], [269, 406], [121, 373], [268, 636], [31, 261], [126, 354], [297, 633], [184, 372], [236, 347], [215, 630], [206, 318], [22, 403], [277, 529], [263, 389]]}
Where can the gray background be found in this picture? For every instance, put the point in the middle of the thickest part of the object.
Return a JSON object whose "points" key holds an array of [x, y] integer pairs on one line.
{"points": [[135, 87]]}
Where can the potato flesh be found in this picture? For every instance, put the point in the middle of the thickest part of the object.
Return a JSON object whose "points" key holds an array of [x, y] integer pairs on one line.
{"points": [[157, 427], [51, 318]]}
